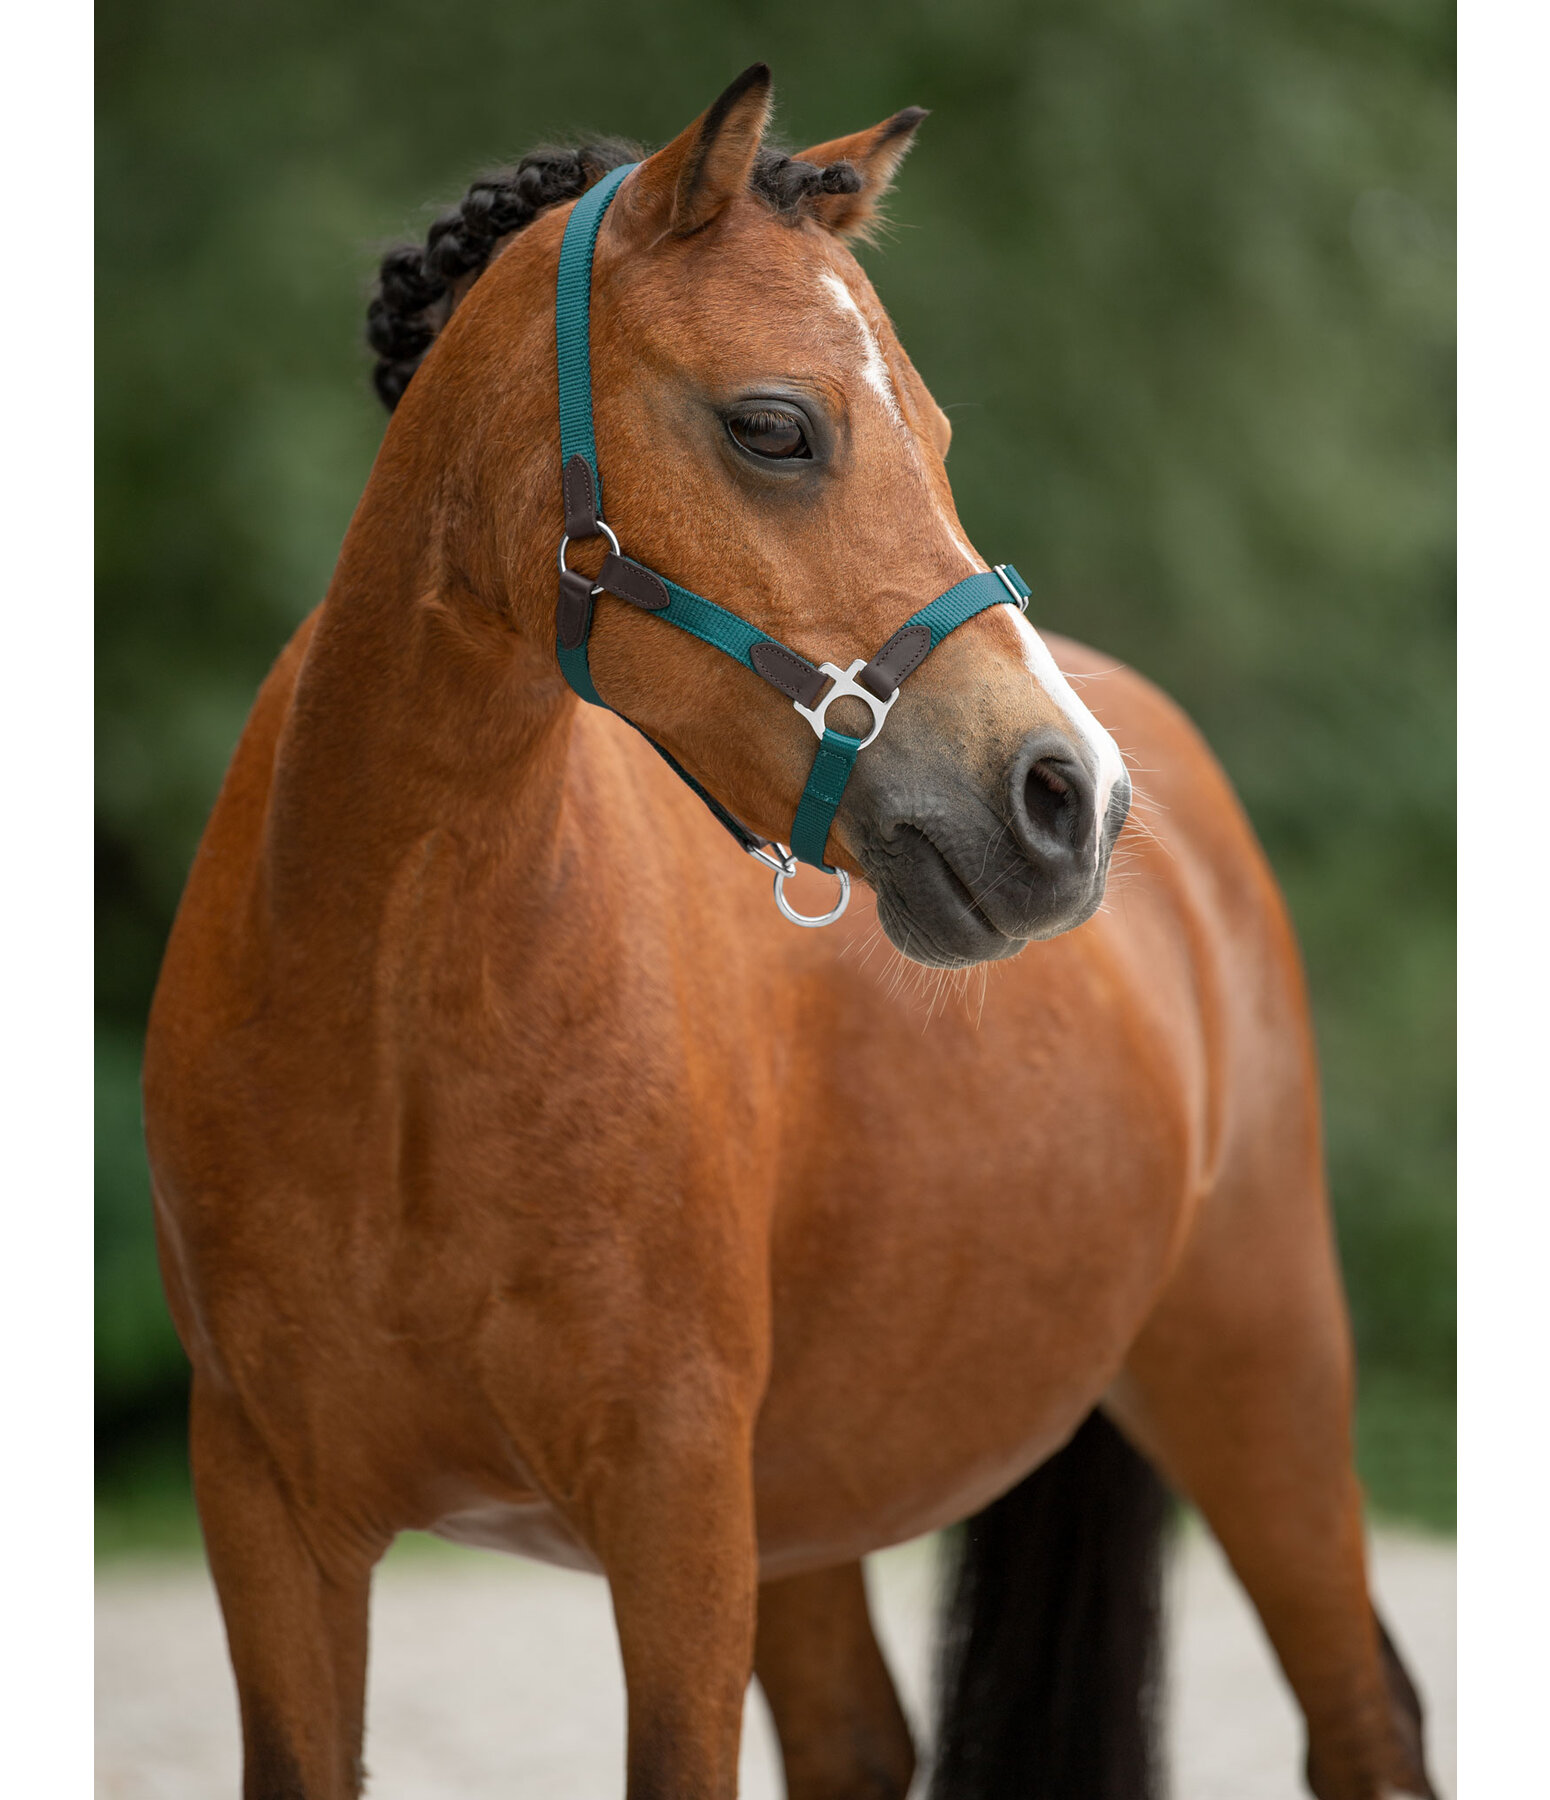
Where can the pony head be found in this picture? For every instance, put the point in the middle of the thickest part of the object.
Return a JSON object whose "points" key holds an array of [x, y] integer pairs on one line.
{"points": [[763, 440]]}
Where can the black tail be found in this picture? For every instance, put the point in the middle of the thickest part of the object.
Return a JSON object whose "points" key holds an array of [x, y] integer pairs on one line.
{"points": [[1050, 1668]]}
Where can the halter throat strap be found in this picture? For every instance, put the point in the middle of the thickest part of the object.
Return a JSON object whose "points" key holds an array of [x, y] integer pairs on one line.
{"points": [[810, 687]]}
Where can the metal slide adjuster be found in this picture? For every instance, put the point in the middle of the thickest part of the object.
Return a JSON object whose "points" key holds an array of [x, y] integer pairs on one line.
{"points": [[1020, 601], [845, 686], [785, 866]]}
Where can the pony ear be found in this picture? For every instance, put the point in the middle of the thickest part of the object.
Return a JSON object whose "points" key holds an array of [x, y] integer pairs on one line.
{"points": [[874, 155], [688, 182]]}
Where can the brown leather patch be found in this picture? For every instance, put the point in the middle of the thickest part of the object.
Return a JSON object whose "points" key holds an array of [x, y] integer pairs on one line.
{"points": [[633, 582], [792, 674], [580, 499], [573, 613], [904, 652]]}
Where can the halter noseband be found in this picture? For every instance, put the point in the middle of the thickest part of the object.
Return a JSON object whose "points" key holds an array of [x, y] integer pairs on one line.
{"points": [[811, 689]]}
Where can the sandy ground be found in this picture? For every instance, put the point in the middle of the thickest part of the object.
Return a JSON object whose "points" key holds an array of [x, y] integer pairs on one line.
{"points": [[492, 1677]]}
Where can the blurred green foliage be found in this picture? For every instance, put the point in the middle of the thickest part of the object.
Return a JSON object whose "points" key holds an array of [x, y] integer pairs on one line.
{"points": [[1181, 273]]}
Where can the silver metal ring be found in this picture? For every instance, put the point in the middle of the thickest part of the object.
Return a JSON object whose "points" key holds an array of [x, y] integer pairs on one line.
{"points": [[607, 531], [797, 918]]}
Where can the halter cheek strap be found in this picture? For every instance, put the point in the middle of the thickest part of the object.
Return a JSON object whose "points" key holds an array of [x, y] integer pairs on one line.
{"points": [[811, 689]]}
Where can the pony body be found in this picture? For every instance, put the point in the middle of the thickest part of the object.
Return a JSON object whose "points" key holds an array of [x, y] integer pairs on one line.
{"points": [[521, 1175]]}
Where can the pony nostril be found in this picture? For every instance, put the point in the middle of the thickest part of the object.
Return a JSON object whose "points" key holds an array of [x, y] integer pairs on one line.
{"points": [[1051, 802]]}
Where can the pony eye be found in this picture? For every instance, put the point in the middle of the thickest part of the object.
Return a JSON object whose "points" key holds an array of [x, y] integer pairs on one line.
{"points": [[776, 436]]}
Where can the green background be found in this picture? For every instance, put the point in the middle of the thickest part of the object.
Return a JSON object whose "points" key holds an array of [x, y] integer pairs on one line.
{"points": [[1181, 273]]}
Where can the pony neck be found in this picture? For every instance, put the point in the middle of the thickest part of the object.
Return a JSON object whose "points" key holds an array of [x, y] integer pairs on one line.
{"points": [[425, 705]]}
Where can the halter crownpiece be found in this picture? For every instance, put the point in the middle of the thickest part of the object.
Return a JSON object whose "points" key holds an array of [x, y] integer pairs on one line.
{"points": [[810, 687]]}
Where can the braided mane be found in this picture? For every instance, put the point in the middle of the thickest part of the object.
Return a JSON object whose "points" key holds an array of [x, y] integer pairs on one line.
{"points": [[414, 293]]}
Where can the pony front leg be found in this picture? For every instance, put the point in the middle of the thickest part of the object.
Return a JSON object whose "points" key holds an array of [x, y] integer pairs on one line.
{"points": [[672, 1522], [294, 1595], [628, 1368]]}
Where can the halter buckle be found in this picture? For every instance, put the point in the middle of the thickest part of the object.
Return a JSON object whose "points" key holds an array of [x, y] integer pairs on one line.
{"points": [[782, 862], [845, 686]]}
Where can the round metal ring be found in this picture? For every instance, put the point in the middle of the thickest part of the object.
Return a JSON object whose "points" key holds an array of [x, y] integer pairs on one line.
{"points": [[797, 918], [607, 531]]}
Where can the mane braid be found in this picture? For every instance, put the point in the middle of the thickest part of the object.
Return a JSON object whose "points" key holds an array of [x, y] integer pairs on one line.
{"points": [[414, 294]]}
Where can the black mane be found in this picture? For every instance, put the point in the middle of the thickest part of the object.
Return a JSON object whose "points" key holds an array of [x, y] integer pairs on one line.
{"points": [[413, 297]]}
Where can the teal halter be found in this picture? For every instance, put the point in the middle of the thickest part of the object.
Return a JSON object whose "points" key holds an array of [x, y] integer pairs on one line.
{"points": [[811, 688]]}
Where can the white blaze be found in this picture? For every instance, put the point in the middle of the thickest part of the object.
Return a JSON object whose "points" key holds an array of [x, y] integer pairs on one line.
{"points": [[874, 370], [1035, 652], [1044, 670], [874, 367]]}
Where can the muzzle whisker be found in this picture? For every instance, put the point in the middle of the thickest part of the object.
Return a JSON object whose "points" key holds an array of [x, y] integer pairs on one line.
{"points": [[1140, 804], [868, 948], [979, 1016], [991, 846], [931, 1004]]}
